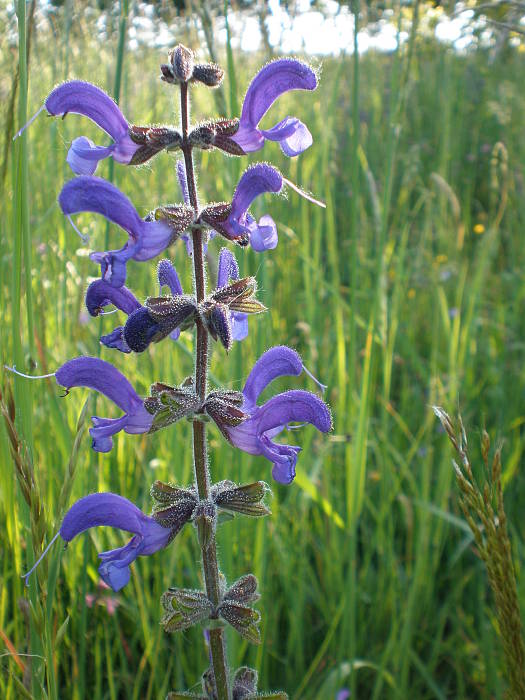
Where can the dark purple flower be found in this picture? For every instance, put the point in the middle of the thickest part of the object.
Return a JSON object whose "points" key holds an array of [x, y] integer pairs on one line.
{"points": [[84, 98], [270, 82], [146, 238], [109, 509], [255, 434], [240, 223], [103, 377], [101, 294]]}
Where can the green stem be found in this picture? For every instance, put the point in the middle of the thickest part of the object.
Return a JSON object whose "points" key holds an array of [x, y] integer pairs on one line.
{"points": [[200, 458]]}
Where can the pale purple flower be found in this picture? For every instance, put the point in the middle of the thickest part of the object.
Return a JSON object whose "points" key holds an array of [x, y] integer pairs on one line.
{"points": [[240, 224], [270, 82], [146, 238], [101, 376], [109, 509], [265, 422], [80, 97]]}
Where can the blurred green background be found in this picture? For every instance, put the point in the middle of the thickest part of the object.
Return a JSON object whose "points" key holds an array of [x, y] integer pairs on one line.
{"points": [[407, 291]]}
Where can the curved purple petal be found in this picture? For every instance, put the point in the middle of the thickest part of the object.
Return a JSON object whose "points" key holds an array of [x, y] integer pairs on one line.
{"points": [[168, 277], [272, 81], [256, 180], [93, 194], [109, 509], [278, 361], [227, 268], [294, 406], [87, 99], [93, 373], [102, 509], [100, 294]]}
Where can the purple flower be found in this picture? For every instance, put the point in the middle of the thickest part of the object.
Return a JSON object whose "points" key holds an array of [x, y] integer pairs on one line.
{"points": [[101, 294], [109, 509], [255, 434], [270, 82], [84, 98], [146, 238], [240, 224], [103, 377], [228, 269]]}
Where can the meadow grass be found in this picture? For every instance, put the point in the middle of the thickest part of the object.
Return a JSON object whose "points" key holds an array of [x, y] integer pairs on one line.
{"points": [[406, 291]]}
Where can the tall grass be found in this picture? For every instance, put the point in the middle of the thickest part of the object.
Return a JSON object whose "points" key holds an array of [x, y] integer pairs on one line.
{"points": [[366, 566]]}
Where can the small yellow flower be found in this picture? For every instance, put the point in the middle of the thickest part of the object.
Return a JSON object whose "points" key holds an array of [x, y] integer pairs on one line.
{"points": [[440, 259], [411, 293], [479, 229]]}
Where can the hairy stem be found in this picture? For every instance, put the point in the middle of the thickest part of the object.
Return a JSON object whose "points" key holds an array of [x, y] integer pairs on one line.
{"points": [[200, 458]]}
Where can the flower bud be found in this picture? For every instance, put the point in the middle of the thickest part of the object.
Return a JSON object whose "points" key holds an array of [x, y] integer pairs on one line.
{"points": [[169, 404], [181, 59], [244, 590], [216, 318], [152, 140], [217, 133], [205, 520], [243, 619], [244, 683], [183, 608], [246, 499], [174, 505], [208, 73]]}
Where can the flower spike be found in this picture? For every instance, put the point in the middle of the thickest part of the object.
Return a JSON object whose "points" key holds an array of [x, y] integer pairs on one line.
{"points": [[101, 376], [270, 82]]}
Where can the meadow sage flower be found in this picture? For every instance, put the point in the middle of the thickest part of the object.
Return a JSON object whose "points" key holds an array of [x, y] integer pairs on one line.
{"points": [[112, 510], [146, 238], [79, 97], [101, 376], [255, 434], [270, 82], [240, 224]]}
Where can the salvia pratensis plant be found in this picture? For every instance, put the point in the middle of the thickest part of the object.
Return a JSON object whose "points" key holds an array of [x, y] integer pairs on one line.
{"points": [[220, 313]]}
